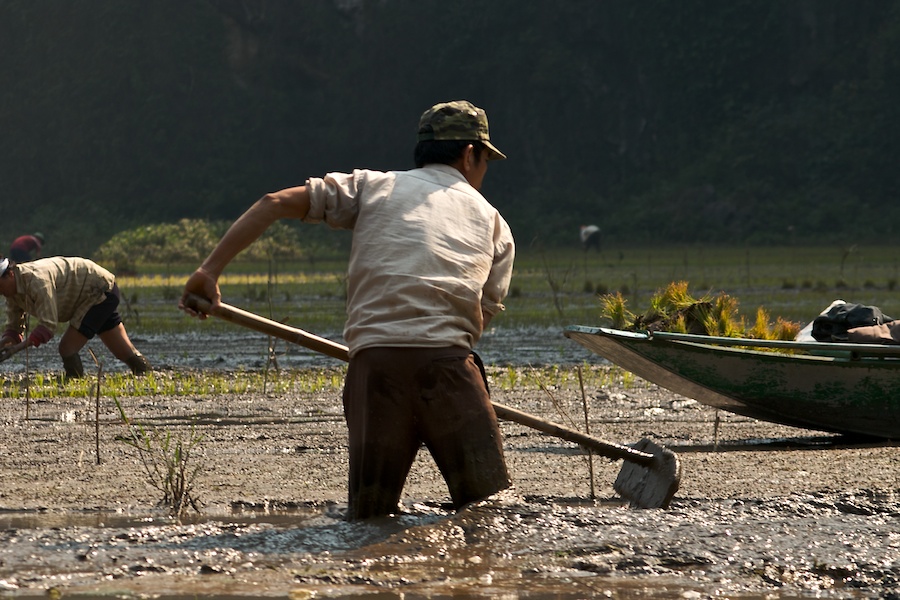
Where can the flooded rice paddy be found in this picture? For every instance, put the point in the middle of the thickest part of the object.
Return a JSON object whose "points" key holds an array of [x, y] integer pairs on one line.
{"points": [[764, 511], [240, 349], [807, 546]]}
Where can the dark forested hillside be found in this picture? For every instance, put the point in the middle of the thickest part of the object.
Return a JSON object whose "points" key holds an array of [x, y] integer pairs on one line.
{"points": [[697, 121]]}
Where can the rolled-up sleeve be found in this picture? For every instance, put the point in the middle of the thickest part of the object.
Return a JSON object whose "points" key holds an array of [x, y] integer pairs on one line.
{"points": [[334, 199], [497, 285]]}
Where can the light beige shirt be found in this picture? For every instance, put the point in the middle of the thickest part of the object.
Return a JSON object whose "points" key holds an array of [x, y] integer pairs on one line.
{"points": [[429, 254], [56, 290]]}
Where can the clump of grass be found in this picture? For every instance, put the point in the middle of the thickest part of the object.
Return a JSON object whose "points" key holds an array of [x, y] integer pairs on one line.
{"points": [[784, 329], [173, 383], [507, 378], [167, 461], [760, 327], [613, 307], [553, 376], [723, 319], [674, 309], [763, 329], [673, 298]]}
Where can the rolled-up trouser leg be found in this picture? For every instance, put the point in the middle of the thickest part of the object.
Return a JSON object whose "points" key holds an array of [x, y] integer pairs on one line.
{"points": [[72, 365]]}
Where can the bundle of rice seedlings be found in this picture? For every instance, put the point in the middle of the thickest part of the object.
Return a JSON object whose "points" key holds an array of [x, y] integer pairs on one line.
{"points": [[723, 319], [669, 302], [612, 307], [760, 329], [674, 309]]}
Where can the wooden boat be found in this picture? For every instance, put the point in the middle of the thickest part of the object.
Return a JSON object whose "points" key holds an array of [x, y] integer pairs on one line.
{"points": [[844, 388]]}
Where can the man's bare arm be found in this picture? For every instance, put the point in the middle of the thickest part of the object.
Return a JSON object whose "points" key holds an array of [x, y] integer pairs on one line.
{"points": [[289, 203]]}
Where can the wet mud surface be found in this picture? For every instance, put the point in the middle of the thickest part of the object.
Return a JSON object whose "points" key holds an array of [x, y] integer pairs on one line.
{"points": [[763, 511]]}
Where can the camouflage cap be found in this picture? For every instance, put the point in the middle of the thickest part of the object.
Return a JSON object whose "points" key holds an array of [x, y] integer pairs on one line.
{"points": [[457, 120]]}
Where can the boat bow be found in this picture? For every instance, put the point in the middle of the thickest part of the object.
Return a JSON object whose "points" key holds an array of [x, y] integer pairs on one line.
{"points": [[843, 388]]}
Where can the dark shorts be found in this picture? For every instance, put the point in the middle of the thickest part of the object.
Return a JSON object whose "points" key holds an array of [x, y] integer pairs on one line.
{"points": [[102, 317], [395, 400]]}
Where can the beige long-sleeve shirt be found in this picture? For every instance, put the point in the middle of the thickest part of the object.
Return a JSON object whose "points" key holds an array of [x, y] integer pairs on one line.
{"points": [[56, 290], [429, 254]]}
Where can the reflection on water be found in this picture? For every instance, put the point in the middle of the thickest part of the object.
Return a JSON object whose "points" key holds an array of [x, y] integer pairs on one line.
{"points": [[837, 546]]}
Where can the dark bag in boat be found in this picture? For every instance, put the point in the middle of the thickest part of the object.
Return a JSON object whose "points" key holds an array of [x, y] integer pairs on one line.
{"points": [[833, 325]]}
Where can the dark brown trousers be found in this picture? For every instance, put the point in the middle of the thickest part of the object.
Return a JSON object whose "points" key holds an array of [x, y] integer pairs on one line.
{"points": [[396, 399]]}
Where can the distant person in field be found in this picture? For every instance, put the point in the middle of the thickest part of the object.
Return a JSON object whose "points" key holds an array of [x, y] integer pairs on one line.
{"points": [[65, 289], [26, 247], [590, 237]]}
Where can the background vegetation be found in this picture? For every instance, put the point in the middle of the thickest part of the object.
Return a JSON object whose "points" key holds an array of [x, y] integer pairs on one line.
{"points": [[745, 122], [551, 289]]}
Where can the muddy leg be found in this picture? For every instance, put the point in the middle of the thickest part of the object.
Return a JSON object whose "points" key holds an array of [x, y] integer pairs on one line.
{"points": [[69, 345], [138, 364], [116, 339], [73, 366], [461, 431]]}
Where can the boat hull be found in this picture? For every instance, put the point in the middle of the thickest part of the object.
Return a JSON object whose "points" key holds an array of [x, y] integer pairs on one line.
{"points": [[844, 392]]}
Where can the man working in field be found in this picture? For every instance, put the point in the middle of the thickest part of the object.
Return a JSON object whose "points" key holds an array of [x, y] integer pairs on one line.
{"points": [[65, 289], [430, 264]]}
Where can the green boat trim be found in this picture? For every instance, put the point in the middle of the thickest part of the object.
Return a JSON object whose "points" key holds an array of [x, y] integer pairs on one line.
{"points": [[822, 348], [852, 389]]}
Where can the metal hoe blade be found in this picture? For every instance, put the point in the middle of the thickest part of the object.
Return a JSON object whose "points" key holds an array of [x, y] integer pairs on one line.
{"points": [[652, 485]]}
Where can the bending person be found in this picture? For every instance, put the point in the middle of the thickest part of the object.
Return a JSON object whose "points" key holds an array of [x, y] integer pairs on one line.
{"points": [[22, 247], [66, 289]]}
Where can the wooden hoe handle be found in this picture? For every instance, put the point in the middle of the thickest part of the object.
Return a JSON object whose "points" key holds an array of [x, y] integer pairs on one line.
{"points": [[255, 322]]}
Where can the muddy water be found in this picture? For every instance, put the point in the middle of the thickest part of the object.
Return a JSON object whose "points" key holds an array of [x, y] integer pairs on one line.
{"points": [[509, 547], [245, 349], [759, 515], [537, 346]]}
